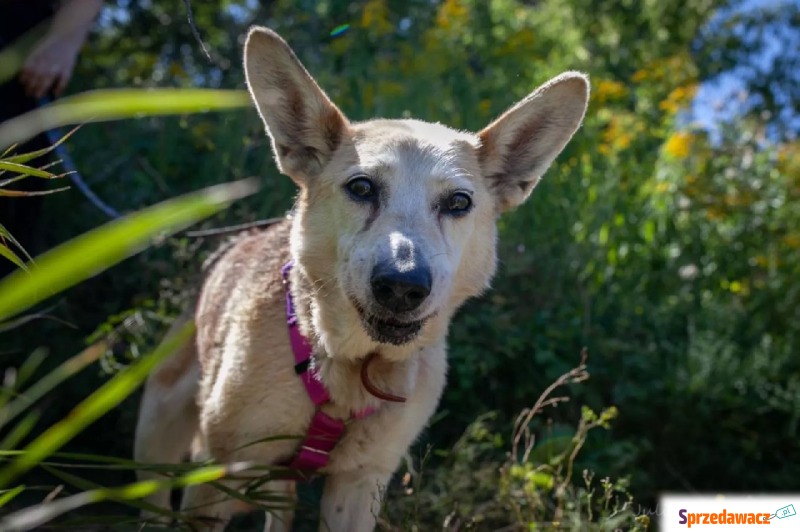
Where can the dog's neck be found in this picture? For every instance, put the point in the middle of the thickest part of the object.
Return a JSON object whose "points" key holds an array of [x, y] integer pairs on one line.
{"points": [[392, 370]]}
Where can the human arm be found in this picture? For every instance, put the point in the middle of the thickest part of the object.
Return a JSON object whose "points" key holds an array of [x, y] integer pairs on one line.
{"points": [[52, 59]]}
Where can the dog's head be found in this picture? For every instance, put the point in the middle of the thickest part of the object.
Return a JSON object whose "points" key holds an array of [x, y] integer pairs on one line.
{"points": [[395, 225]]}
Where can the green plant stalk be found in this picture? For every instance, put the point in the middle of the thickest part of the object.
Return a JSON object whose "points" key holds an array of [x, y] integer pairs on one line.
{"points": [[51, 380], [34, 516], [101, 401], [113, 104]]}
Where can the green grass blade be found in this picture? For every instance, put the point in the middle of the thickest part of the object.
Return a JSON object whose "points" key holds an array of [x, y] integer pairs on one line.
{"points": [[99, 249], [6, 235], [64, 371], [113, 104], [7, 495], [17, 168], [112, 462], [94, 406], [5, 182], [29, 156], [28, 193], [35, 516], [6, 252], [25, 371], [10, 180], [86, 485], [29, 367], [20, 430]]}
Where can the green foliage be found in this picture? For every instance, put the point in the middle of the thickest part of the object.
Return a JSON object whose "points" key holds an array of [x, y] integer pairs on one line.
{"points": [[12, 170], [532, 487]]}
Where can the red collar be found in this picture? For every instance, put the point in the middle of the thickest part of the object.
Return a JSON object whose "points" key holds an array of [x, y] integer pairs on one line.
{"points": [[325, 431]]}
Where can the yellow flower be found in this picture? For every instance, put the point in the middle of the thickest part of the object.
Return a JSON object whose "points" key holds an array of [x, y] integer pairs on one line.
{"points": [[450, 13], [617, 135], [678, 145], [792, 240], [640, 75], [376, 17], [715, 214], [623, 141], [678, 98], [522, 40], [607, 90]]}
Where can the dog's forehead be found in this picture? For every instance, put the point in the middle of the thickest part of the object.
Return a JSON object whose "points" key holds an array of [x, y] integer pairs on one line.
{"points": [[429, 132], [401, 141]]}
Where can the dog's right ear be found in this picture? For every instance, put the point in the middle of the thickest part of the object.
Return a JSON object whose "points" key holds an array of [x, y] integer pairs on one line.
{"points": [[518, 147], [304, 125]]}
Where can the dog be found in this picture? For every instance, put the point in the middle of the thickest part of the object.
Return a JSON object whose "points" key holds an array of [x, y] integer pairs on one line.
{"points": [[393, 230]]}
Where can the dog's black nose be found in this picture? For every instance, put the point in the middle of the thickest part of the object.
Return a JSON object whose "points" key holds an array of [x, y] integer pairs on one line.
{"points": [[400, 291]]}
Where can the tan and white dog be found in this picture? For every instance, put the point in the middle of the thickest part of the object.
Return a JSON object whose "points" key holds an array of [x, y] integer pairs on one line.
{"points": [[393, 230]]}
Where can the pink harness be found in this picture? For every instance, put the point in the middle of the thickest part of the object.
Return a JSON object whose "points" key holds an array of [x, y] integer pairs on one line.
{"points": [[325, 431]]}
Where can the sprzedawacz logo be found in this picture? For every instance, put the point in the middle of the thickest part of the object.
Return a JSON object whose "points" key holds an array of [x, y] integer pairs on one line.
{"points": [[722, 518]]}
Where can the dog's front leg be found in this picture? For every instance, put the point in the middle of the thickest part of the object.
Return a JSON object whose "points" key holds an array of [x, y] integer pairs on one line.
{"points": [[351, 501]]}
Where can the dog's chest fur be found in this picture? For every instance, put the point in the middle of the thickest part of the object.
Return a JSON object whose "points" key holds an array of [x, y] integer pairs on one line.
{"points": [[249, 389]]}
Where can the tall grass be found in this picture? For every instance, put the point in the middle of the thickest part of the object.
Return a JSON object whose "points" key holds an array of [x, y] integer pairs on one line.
{"points": [[67, 265]]}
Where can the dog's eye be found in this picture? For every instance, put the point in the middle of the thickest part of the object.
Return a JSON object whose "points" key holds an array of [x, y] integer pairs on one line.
{"points": [[361, 188], [458, 203]]}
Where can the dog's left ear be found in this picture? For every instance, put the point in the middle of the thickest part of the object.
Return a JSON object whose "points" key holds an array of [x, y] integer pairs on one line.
{"points": [[304, 125], [518, 147]]}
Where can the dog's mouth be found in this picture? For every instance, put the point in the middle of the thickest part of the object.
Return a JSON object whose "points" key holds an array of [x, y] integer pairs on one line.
{"points": [[392, 331]]}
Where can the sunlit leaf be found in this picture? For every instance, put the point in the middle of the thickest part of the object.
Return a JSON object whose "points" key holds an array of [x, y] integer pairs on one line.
{"points": [[10, 255], [29, 156], [6, 235], [17, 168], [113, 104], [7, 495], [96, 250]]}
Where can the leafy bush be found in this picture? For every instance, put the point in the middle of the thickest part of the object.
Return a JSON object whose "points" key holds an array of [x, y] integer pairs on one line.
{"points": [[486, 483]]}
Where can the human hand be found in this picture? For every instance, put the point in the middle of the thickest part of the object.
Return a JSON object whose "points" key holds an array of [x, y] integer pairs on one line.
{"points": [[49, 66]]}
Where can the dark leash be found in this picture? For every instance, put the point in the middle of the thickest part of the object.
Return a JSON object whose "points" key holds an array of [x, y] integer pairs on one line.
{"points": [[53, 137]]}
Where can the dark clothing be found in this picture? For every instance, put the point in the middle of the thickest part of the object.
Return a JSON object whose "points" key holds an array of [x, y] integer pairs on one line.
{"points": [[19, 16], [21, 215]]}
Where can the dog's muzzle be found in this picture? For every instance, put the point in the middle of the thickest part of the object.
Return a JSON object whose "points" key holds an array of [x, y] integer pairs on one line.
{"points": [[397, 293]]}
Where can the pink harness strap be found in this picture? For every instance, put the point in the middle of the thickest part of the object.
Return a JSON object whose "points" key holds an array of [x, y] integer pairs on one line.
{"points": [[325, 431]]}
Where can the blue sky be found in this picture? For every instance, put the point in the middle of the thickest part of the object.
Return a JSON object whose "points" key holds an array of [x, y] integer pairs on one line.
{"points": [[726, 96]]}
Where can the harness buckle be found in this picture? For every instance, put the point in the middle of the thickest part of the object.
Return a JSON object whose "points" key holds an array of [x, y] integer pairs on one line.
{"points": [[302, 367]]}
